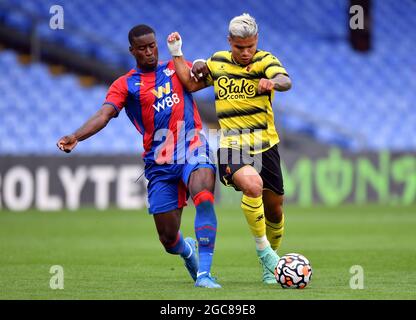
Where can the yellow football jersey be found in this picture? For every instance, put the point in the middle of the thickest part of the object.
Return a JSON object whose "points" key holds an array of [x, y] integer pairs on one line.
{"points": [[246, 117]]}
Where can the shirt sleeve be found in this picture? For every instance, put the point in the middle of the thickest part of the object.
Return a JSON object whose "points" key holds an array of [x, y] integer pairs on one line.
{"points": [[117, 94], [273, 67]]}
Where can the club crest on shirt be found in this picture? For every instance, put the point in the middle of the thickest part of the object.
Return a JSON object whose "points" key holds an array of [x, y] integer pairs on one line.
{"points": [[168, 72]]}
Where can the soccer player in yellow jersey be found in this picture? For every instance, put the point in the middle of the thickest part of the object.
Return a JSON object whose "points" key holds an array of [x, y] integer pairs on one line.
{"points": [[244, 80]]}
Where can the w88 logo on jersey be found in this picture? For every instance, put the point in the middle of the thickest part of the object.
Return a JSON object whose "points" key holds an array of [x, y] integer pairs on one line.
{"points": [[167, 101]]}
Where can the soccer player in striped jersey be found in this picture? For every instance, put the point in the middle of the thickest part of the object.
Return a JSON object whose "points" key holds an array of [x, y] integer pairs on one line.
{"points": [[244, 81], [177, 158]]}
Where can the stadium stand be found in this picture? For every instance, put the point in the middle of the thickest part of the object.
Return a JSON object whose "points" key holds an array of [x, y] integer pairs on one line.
{"points": [[358, 101], [37, 108]]}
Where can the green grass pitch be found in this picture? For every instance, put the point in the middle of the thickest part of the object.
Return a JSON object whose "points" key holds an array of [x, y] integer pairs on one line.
{"points": [[117, 255]]}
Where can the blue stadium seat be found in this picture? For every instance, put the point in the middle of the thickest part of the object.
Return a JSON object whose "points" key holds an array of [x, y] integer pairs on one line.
{"points": [[18, 20]]}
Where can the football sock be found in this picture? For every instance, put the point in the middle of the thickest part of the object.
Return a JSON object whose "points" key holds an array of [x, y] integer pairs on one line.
{"points": [[205, 229], [180, 247], [254, 211], [261, 243], [274, 232]]}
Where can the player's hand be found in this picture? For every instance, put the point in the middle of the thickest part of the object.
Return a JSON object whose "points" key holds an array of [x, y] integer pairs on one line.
{"points": [[67, 143], [265, 85], [199, 70], [175, 44]]}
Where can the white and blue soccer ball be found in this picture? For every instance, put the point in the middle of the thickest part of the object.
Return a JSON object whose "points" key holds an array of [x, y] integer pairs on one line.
{"points": [[293, 270]]}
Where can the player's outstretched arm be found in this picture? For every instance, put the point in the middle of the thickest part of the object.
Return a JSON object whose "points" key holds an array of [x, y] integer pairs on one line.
{"points": [[183, 71], [98, 121], [281, 82]]}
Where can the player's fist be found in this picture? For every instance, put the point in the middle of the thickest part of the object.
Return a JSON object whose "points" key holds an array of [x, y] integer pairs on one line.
{"points": [[199, 70], [67, 143], [265, 85], [175, 44]]}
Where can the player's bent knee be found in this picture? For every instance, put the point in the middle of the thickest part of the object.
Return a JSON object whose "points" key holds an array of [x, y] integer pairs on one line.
{"points": [[168, 240], [252, 187], [249, 181], [201, 179], [253, 191]]}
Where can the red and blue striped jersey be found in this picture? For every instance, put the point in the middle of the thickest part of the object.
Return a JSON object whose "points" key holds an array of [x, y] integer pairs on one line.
{"points": [[160, 109]]}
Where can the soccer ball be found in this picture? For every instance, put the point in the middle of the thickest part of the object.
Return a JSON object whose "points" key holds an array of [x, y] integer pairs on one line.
{"points": [[293, 270]]}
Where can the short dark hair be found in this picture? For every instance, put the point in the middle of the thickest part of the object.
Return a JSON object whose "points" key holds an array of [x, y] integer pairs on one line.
{"points": [[138, 31]]}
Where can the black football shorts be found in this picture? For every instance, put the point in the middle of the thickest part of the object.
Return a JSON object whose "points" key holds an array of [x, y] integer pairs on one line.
{"points": [[266, 163]]}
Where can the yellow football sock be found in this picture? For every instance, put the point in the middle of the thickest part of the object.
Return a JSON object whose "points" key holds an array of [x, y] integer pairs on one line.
{"points": [[254, 211], [274, 232]]}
